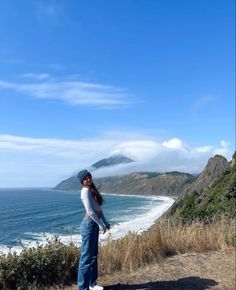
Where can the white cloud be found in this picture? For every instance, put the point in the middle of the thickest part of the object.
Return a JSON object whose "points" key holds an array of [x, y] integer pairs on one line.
{"points": [[203, 149], [45, 162], [37, 77], [174, 143], [72, 92], [223, 149], [54, 147], [138, 149]]}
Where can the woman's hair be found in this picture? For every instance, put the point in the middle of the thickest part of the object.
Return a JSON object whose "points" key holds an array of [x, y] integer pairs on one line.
{"points": [[96, 194]]}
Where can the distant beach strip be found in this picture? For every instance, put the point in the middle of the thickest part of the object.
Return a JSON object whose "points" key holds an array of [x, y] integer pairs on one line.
{"points": [[140, 223], [34, 216]]}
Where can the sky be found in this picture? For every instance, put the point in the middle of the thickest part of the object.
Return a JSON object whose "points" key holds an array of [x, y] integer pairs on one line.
{"points": [[81, 80]]}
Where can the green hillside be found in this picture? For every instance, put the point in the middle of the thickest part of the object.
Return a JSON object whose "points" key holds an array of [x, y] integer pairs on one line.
{"points": [[217, 200]]}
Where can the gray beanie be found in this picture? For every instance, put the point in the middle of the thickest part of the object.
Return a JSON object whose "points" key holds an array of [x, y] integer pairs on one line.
{"points": [[82, 174]]}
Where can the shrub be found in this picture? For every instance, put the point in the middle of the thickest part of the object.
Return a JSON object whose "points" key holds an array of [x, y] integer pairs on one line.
{"points": [[53, 264]]}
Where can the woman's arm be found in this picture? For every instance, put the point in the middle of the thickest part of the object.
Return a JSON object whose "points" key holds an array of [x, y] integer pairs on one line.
{"points": [[106, 223], [86, 198]]}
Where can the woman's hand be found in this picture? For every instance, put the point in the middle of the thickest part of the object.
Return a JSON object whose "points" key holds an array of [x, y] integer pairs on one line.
{"points": [[104, 229]]}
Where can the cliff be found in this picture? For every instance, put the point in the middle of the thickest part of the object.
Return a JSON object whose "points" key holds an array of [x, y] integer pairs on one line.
{"points": [[210, 196]]}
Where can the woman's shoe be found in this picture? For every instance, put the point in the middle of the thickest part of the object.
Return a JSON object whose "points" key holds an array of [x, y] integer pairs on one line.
{"points": [[94, 286]]}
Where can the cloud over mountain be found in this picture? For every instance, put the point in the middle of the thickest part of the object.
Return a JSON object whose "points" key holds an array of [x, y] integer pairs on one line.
{"points": [[45, 161]]}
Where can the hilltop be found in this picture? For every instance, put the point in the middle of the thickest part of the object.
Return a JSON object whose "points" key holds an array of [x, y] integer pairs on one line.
{"points": [[210, 196], [111, 161]]}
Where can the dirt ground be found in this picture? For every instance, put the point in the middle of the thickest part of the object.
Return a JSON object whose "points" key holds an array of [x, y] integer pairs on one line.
{"points": [[191, 271]]}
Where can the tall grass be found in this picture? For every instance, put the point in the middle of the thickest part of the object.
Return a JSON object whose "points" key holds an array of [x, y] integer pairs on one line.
{"points": [[56, 264], [165, 239]]}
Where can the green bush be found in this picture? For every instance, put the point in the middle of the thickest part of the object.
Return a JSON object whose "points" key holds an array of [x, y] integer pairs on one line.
{"points": [[53, 264]]}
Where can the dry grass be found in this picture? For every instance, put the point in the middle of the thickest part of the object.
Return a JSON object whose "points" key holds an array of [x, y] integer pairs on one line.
{"points": [[55, 264], [165, 239]]}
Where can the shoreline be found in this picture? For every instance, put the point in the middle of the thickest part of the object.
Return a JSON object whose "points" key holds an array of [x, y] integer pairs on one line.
{"points": [[138, 224]]}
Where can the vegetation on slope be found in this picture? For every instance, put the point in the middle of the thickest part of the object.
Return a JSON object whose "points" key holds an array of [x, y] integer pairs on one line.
{"points": [[216, 201], [56, 264]]}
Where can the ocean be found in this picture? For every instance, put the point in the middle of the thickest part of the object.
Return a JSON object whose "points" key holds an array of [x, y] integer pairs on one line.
{"points": [[29, 217]]}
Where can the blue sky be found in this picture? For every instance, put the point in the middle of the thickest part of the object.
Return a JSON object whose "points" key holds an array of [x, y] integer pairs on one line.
{"points": [[82, 80]]}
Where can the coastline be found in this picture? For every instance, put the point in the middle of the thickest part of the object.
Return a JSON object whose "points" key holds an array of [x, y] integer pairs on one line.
{"points": [[138, 224]]}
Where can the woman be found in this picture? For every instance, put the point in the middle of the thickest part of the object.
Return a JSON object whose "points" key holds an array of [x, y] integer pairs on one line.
{"points": [[89, 229]]}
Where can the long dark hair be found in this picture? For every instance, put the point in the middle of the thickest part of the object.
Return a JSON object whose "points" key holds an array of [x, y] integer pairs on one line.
{"points": [[96, 194]]}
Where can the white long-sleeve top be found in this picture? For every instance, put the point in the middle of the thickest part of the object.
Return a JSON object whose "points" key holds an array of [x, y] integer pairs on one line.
{"points": [[91, 206]]}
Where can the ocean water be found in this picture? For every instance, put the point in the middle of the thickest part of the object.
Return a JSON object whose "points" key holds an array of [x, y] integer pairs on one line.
{"points": [[31, 216]]}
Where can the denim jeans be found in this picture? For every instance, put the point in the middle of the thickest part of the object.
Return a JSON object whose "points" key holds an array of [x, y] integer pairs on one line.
{"points": [[88, 264]]}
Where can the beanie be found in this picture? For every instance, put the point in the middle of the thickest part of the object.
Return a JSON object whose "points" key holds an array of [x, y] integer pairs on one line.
{"points": [[82, 174]]}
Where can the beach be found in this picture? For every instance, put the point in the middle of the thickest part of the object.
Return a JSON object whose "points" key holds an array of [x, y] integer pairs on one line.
{"points": [[31, 217]]}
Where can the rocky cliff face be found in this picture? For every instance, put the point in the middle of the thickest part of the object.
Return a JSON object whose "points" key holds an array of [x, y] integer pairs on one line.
{"points": [[211, 195], [233, 161], [214, 168]]}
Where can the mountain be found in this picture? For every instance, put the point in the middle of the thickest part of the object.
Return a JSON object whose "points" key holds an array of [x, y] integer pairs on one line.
{"points": [[210, 196], [143, 183], [215, 166], [111, 161], [147, 183], [72, 183], [152, 183]]}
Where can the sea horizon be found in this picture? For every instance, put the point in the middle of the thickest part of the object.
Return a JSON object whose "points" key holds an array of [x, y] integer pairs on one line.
{"points": [[29, 217]]}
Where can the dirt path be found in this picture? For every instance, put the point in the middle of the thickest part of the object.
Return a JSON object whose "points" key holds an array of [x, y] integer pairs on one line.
{"points": [[212, 270]]}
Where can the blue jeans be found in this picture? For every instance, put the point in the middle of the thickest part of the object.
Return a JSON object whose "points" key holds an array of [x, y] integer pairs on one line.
{"points": [[88, 263]]}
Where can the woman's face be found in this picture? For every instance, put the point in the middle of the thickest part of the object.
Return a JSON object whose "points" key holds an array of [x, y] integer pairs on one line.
{"points": [[87, 181]]}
